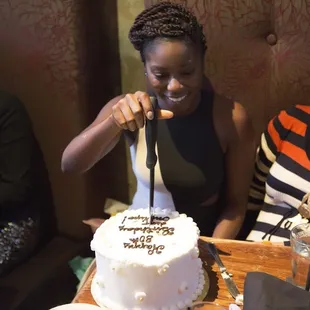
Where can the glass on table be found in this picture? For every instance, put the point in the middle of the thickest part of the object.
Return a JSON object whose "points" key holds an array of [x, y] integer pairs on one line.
{"points": [[205, 305], [300, 244]]}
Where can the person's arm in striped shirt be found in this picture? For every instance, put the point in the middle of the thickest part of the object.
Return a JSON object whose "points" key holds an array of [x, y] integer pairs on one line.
{"points": [[266, 155]]}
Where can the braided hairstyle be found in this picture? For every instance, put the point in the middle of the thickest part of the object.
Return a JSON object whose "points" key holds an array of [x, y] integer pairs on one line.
{"points": [[166, 20]]}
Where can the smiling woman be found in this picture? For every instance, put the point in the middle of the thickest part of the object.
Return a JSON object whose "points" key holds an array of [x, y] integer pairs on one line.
{"points": [[205, 142], [174, 72], [172, 47]]}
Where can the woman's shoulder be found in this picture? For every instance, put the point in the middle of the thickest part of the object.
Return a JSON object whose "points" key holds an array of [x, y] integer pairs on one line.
{"points": [[229, 111], [10, 103], [13, 112], [297, 111], [294, 116], [231, 119]]}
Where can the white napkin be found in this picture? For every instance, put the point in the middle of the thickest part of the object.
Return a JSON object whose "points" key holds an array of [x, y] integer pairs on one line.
{"points": [[234, 307]]}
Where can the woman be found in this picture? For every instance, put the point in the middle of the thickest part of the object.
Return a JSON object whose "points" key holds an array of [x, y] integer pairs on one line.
{"points": [[282, 179], [205, 142]]}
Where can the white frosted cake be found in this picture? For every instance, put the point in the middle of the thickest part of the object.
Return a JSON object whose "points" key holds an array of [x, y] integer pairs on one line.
{"points": [[145, 266]]}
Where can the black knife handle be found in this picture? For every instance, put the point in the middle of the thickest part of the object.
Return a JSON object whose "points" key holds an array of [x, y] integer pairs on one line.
{"points": [[151, 137]]}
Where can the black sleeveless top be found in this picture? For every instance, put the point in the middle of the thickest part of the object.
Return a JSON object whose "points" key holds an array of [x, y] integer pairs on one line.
{"points": [[190, 167], [190, 155]]}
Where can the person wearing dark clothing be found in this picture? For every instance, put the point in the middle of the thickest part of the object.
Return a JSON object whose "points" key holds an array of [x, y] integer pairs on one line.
{"points": [[26, 204]]}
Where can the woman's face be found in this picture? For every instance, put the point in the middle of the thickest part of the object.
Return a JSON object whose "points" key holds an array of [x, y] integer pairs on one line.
{"points": [[175, 73]]}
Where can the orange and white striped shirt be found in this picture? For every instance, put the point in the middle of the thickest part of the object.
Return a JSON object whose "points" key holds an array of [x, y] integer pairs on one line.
{"points": [[282, 174]]}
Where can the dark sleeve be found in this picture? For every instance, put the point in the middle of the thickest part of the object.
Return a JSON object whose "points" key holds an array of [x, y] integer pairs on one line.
{"points": [[16, 152]]}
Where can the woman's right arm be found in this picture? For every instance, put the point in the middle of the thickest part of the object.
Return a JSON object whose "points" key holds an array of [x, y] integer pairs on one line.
{"points": [[125, 112], [94, 142]]}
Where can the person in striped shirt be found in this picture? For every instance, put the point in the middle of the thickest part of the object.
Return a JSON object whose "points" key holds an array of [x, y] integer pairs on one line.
{"points": [[282, 176]]}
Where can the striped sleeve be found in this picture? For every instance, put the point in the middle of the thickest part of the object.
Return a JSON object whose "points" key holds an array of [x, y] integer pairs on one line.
{"points": [[266, 155]]}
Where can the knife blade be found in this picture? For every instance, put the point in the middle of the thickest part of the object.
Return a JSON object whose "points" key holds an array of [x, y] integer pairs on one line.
{"points": [[232, 288], [151, 157]]}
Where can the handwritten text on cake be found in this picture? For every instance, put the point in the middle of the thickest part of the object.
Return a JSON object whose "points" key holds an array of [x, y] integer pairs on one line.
{"points": [[158, 226]]}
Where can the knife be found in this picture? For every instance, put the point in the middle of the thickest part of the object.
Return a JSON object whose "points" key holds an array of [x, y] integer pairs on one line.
{"points": [[232, 288], [151, 157]]}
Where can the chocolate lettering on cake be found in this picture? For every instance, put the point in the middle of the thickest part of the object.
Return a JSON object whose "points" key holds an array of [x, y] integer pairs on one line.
{"points": [[158, 226]]}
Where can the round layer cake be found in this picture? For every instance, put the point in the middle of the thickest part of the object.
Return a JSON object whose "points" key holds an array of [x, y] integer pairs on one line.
{"points": [[145, 265]]}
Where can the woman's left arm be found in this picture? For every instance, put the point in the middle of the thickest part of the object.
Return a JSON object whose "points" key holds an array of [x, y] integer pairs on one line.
{"points": [[239, 160]]}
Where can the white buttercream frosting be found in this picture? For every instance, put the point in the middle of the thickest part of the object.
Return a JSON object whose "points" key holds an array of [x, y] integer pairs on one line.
{"points": [[148, 266]]}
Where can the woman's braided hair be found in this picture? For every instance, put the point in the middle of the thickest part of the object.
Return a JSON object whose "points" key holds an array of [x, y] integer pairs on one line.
{"points": [[165, 20]]}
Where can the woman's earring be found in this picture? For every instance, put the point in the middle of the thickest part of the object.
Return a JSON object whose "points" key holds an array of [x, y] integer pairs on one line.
{"points": [[145, 73]]}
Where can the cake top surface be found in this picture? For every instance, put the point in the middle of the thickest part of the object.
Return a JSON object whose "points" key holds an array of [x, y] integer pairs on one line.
{"points": [[129, 237]]}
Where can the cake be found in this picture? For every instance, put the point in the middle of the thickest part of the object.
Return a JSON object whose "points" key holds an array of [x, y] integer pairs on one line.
{"points": [[145, 265]]}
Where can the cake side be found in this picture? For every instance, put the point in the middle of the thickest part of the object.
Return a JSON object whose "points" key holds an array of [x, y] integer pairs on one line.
{"points": [[143, 266]]}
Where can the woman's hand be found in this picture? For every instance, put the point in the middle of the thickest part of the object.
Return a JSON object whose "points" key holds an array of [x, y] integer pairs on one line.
{"points": [[129, 113], [126, 112]]}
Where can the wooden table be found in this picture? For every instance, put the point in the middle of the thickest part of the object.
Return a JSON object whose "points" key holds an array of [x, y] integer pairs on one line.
{"points": [[239, 257]]}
